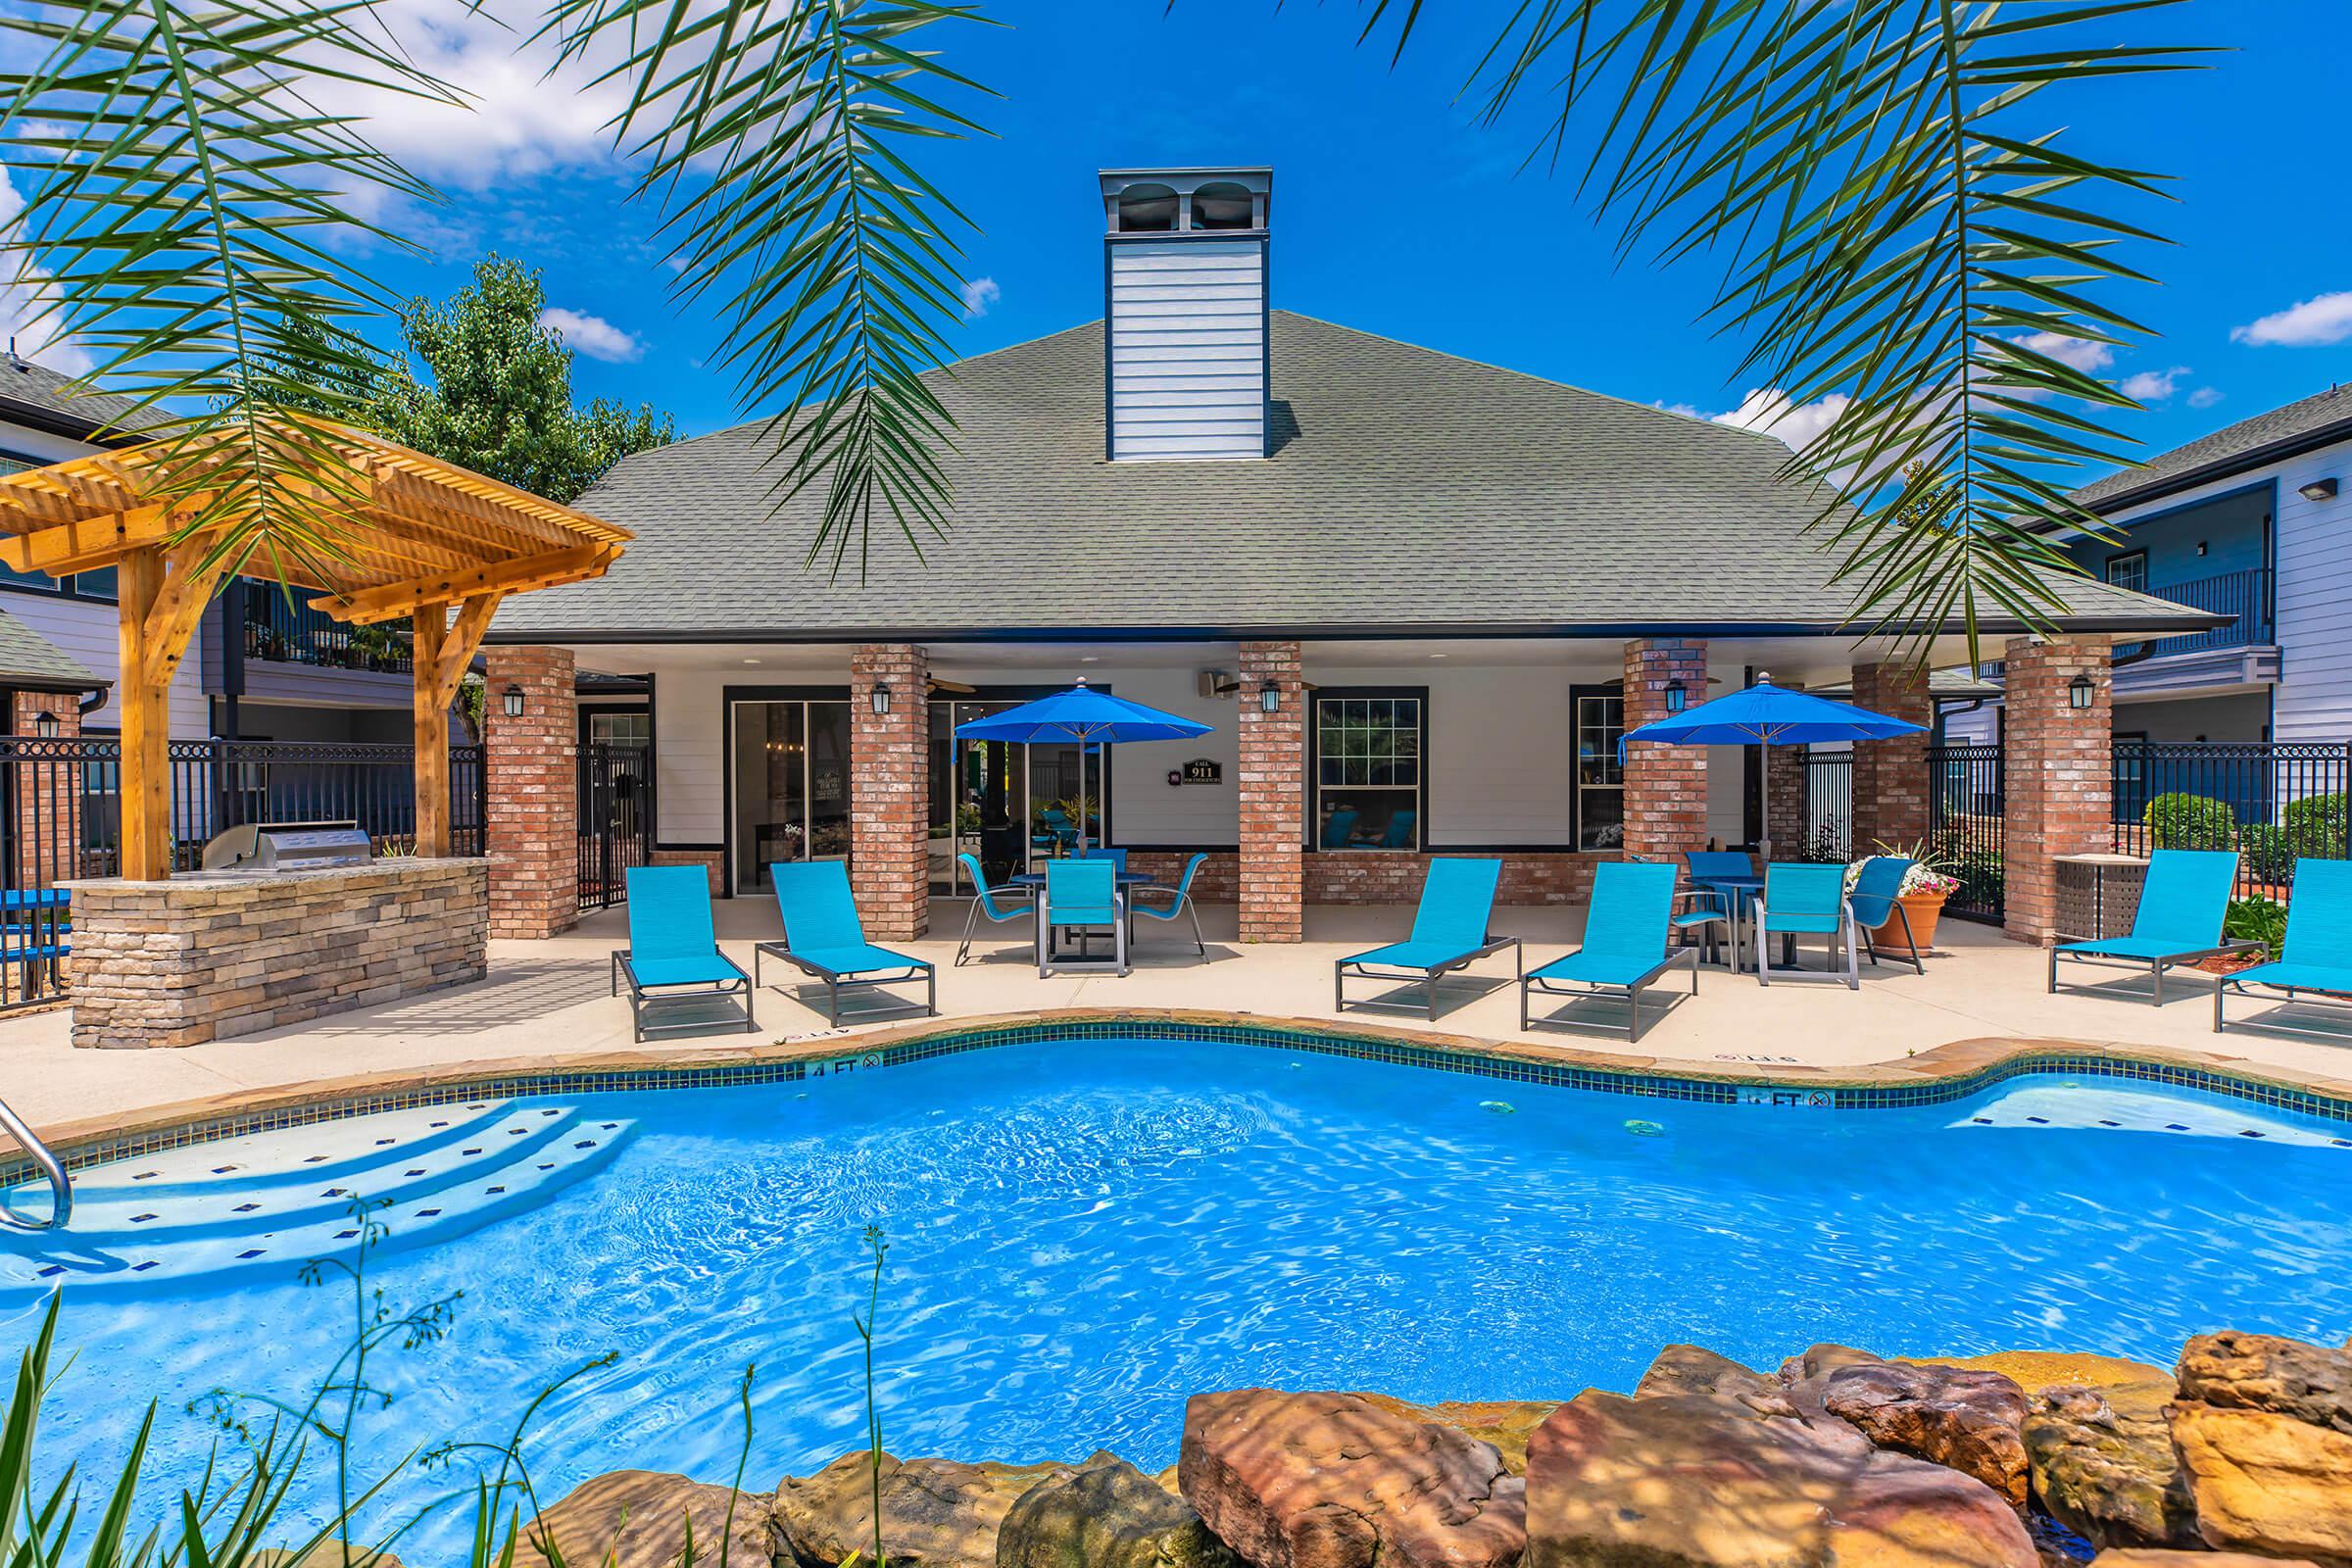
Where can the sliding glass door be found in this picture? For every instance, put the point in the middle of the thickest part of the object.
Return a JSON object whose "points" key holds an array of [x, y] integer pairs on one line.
{"points": [[1009, 805], [789, 785]]}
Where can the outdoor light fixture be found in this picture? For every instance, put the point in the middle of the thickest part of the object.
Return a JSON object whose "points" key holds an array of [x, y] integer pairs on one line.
{"points": [[44, 724], [1269, 698], [2078, 691], [881, 701], [514, 702], [1675, 697], [2319, 489]]}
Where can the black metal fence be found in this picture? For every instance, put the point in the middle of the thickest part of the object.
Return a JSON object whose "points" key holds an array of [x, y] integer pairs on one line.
{"points": [[2272, 802], [1829, 807], [296, 634], [2245, 595], [615, 818], [1964, 834]]}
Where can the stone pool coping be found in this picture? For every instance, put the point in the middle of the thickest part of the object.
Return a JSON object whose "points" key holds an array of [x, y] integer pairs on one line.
{"points": [[1943, 1073]]}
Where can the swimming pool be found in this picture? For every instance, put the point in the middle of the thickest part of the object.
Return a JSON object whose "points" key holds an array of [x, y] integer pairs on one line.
{"points": [[1084, 1232]]}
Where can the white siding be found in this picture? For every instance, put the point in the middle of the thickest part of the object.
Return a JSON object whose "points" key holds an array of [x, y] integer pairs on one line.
{"points": [[1187, 364], [2315, 600]]}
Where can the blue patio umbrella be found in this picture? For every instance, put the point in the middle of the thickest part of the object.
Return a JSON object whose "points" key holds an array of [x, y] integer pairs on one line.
{"points": [[1765, 714], [1084, 717]]}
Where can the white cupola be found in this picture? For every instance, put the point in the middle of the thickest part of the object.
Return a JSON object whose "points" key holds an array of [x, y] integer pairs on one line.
{"points": [[1185, 312]]}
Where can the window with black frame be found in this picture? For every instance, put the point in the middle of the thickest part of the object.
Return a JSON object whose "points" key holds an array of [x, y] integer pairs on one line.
{"points": [[1368, 770], [1599, 773]]}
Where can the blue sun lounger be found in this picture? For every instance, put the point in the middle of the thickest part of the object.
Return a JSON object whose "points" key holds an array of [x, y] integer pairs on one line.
{"points": [[672, 958], [1625, 946], [2317, 954], [1449, 931], [2178, 921], [823, 937]]}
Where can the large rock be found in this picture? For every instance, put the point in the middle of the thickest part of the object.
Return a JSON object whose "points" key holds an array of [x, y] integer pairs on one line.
{"points": [[1971, 1421], [2102, 1465], [2308, 1383], [2162, 1557], [2266, 1483], [640, 1519], [1337, 1480], [1696, 1481], [935, 1513], [1820, 1360], [1109, 1515], [1505, 1423], [1695, 1369]]}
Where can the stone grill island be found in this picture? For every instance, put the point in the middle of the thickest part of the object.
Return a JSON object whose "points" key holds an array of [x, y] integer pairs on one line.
{"points": [[164, 957]]}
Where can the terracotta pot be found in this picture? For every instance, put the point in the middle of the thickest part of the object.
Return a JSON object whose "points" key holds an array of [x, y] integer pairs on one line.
{"points": [[1922, 908]]}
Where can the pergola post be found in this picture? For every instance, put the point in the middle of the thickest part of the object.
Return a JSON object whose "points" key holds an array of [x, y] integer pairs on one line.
{"points": [[440, 657], [146, 714]]}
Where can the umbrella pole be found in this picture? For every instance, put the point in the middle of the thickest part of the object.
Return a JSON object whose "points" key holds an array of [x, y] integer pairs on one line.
{"points": [[1764, 754]]}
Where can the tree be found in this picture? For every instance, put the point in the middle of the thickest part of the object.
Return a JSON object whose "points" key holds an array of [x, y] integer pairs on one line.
{"points": [[1895, 218]]}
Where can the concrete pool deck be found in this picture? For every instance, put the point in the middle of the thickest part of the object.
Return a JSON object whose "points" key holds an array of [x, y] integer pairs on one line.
{"points": [[549, 1001]]}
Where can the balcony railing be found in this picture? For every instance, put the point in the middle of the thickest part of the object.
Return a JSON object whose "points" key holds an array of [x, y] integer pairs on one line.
{"points": [[296, 634], [2243, 594]]}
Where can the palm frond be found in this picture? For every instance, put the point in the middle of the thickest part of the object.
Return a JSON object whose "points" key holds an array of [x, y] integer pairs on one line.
{"points": [[1893, 228], [190, 218], [776, 136]]}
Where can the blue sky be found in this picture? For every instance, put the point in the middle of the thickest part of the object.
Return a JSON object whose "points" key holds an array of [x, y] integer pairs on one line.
{"points": [[1396, 214]]}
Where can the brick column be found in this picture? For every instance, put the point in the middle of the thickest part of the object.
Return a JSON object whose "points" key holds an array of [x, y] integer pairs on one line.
{"points": [[48, 839], [1890, 776], [2058, 771], [1272, 775], [532, 773], [1789, 781], [890, 790], [1665, 786]]}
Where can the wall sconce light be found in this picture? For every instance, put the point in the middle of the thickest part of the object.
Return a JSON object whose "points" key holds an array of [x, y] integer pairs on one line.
{"points": [[2319, 489], [881, 701], [1269, 698], [1676, 697], [2079, 691], [44, 724], [514, 702]]}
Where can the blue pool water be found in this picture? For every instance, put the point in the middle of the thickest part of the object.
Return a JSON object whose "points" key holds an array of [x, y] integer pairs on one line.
{"points": [[1084, 1233]]}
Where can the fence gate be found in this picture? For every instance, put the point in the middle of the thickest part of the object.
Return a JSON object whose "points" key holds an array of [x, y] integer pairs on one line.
{"points": [[1964, 825], [616, 819]]}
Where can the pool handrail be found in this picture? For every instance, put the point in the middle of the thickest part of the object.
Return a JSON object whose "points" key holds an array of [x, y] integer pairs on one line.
{"points": [[61, 1185]]}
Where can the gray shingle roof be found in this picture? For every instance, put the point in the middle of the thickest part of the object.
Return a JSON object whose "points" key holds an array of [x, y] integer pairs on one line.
{"points": [[2237, 446], [81, 409], [28, 659], [1411, 490]]}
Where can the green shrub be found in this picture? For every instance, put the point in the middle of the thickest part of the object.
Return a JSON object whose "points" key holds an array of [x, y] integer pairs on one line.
{"points": [[2315, 827], [2262, 921], [2269, 851], [2182, 822]]}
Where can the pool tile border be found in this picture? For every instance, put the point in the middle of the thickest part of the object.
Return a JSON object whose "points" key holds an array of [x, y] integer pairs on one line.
{"points": [[1946, 1073]]}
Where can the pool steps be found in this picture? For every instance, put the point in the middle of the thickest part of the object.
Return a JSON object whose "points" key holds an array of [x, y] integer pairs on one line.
{"points": [[196, 1214]]}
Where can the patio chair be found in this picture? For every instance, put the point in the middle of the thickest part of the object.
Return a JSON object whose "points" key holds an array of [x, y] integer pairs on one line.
{"points": [[1708, 922], [1097, 852], [984, 902], [1339, 828], [1450, 932], [1399, 833], [1874, 904], [1081, 895], [1625, 947], [2317, 954], [674, 956], [825, 938], [1802, 900], [2181, 903], [1709, 864], [1183, 901]]}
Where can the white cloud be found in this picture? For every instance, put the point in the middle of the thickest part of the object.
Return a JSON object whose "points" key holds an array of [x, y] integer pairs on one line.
{"points": [[2205, 397], [2153, 386], [592, 335], [979, 293], [1768, 411], [2323, 318], [1688, 411], [2081, 353], [24, 293]]}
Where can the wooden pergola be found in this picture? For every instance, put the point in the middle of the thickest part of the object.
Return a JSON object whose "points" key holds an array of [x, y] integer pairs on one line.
{"points": [[415, 537]]}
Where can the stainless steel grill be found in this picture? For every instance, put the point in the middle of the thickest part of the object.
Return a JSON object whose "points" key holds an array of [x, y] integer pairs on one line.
{"points": [[288, 846]]}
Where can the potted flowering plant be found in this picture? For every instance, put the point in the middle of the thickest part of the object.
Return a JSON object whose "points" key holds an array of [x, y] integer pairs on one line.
{"points": [[1924, 886]]}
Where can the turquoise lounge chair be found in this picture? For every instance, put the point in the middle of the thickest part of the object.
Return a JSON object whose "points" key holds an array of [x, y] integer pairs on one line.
{"points": [[673, 959], [2317, 954], [1183, 901], [1449, 931], [984, 902], [1806, 901], [1875, 902], [2181, 903], [1625, 941], [823, 937]]}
